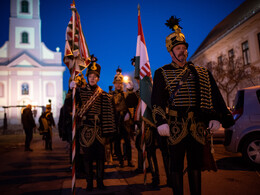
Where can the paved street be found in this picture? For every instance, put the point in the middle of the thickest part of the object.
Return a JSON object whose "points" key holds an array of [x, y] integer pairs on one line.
{"points": [[47, 172]]}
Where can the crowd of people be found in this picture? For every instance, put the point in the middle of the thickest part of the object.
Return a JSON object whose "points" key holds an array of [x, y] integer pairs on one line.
{"points": [[46, 123], [185, 102]]}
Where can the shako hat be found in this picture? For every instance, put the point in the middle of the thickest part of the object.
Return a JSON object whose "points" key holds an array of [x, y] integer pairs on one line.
{"points": [[93, 67], [118, 77], [177, 37]]}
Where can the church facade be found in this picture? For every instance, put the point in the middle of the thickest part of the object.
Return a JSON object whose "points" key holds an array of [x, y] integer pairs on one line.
{"points": [[30, 73]]}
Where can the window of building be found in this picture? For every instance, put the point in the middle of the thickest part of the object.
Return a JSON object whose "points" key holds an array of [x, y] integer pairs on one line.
{"points": [[245, 51], [220, 60], [25, 89], [50, 90], [231, 54], [24, 6], [2, 90], [231, 57], [209, 66], [25, 37]]}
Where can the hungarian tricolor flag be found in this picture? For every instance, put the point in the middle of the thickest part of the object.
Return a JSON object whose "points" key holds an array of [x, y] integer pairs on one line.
{"points": [[142, 68], [76, 55]]}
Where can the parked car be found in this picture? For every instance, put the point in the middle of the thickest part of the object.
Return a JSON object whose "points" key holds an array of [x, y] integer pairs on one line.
{"points": [[244, 136]]}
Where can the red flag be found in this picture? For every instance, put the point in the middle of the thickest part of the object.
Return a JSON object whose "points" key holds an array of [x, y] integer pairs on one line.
{"points": [[76, 55]]}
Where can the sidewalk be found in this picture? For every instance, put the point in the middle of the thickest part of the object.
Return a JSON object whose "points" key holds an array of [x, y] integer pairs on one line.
{"points": [[47, 172], [123, 180]]}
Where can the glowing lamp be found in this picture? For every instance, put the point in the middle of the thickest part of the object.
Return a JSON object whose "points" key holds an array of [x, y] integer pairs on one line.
{"points": [[126, 79]]}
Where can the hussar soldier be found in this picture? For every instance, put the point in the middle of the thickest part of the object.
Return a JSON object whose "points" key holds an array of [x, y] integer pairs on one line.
{"points": [[122, 114], [186, 101], [46, 123], [96, 123]]}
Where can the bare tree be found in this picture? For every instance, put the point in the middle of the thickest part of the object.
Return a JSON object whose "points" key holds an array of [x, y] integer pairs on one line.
{"points": [[230, 73]]}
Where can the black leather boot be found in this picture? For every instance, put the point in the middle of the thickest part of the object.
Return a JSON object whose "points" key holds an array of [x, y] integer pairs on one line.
{"points": [[121, 161], [46, 144], [130, 164], [162, 141], [89, 174], [153, 165], [194, 181], [140, 162], [165, 156], [100, 175], [177, 183], [50, 145], [89, 185]]}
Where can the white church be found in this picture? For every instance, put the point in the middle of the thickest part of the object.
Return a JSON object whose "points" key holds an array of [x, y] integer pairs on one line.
{"points": [[30, 73]]}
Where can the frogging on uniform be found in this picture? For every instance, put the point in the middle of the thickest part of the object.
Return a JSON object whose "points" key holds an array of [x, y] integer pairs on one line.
{"points": [[185, 101], [95, 124]]}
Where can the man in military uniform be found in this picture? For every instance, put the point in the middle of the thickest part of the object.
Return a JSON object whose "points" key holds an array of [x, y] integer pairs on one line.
{"points": [[46, 122], [122, 114], [186, 101], [96, 123]]}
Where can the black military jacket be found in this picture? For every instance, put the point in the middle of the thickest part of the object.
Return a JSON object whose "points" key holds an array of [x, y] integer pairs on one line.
{"points": [[197, 101]]}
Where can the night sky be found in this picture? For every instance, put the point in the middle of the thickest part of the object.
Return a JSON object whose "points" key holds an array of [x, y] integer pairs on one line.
{"points": [[110, 28]]}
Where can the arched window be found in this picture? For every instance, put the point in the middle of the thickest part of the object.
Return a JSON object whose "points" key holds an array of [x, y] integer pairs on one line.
{"points": [[50, 90], [25, 89], [25, 37], [2, 90], [24, 6]]}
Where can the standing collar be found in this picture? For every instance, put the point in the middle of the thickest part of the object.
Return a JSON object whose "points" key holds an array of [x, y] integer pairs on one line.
{"points": [[177, 66]]}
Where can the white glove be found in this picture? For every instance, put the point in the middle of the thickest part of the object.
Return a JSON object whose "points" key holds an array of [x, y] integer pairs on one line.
{"points": [[130, 85], [127, 117], [164, 130], [73, 84], [214, 125]]}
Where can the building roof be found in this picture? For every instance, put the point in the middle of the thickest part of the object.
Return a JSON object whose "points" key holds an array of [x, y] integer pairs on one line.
{"points": [[245, 11]]}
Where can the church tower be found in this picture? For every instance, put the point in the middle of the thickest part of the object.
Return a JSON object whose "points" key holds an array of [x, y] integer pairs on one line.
{"points": [[30, 73], [25, 28]]}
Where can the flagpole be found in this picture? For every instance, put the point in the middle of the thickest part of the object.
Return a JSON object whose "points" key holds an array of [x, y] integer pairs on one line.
{"points": [[73, 107], [143, 123]]}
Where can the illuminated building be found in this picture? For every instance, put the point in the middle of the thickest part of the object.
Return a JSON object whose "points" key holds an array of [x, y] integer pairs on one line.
{"points": [[234, 41], [30, 73]]}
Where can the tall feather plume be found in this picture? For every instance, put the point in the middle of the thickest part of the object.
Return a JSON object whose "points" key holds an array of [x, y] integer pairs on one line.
{"points": [[172, 22]]}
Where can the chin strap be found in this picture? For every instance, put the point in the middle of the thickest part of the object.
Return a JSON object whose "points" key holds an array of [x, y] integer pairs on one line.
{"points": [[175, 56]]}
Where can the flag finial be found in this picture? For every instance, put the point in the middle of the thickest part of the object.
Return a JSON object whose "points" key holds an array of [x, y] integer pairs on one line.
{"points": [[73, 6]]}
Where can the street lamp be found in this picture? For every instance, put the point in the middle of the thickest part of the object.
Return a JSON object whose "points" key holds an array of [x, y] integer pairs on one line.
{"points": [[126, 78]]}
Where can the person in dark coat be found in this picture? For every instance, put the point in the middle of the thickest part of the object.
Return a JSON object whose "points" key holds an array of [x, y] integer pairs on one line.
{"points": [[186, 102], [28, 126], [61, 124]]}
